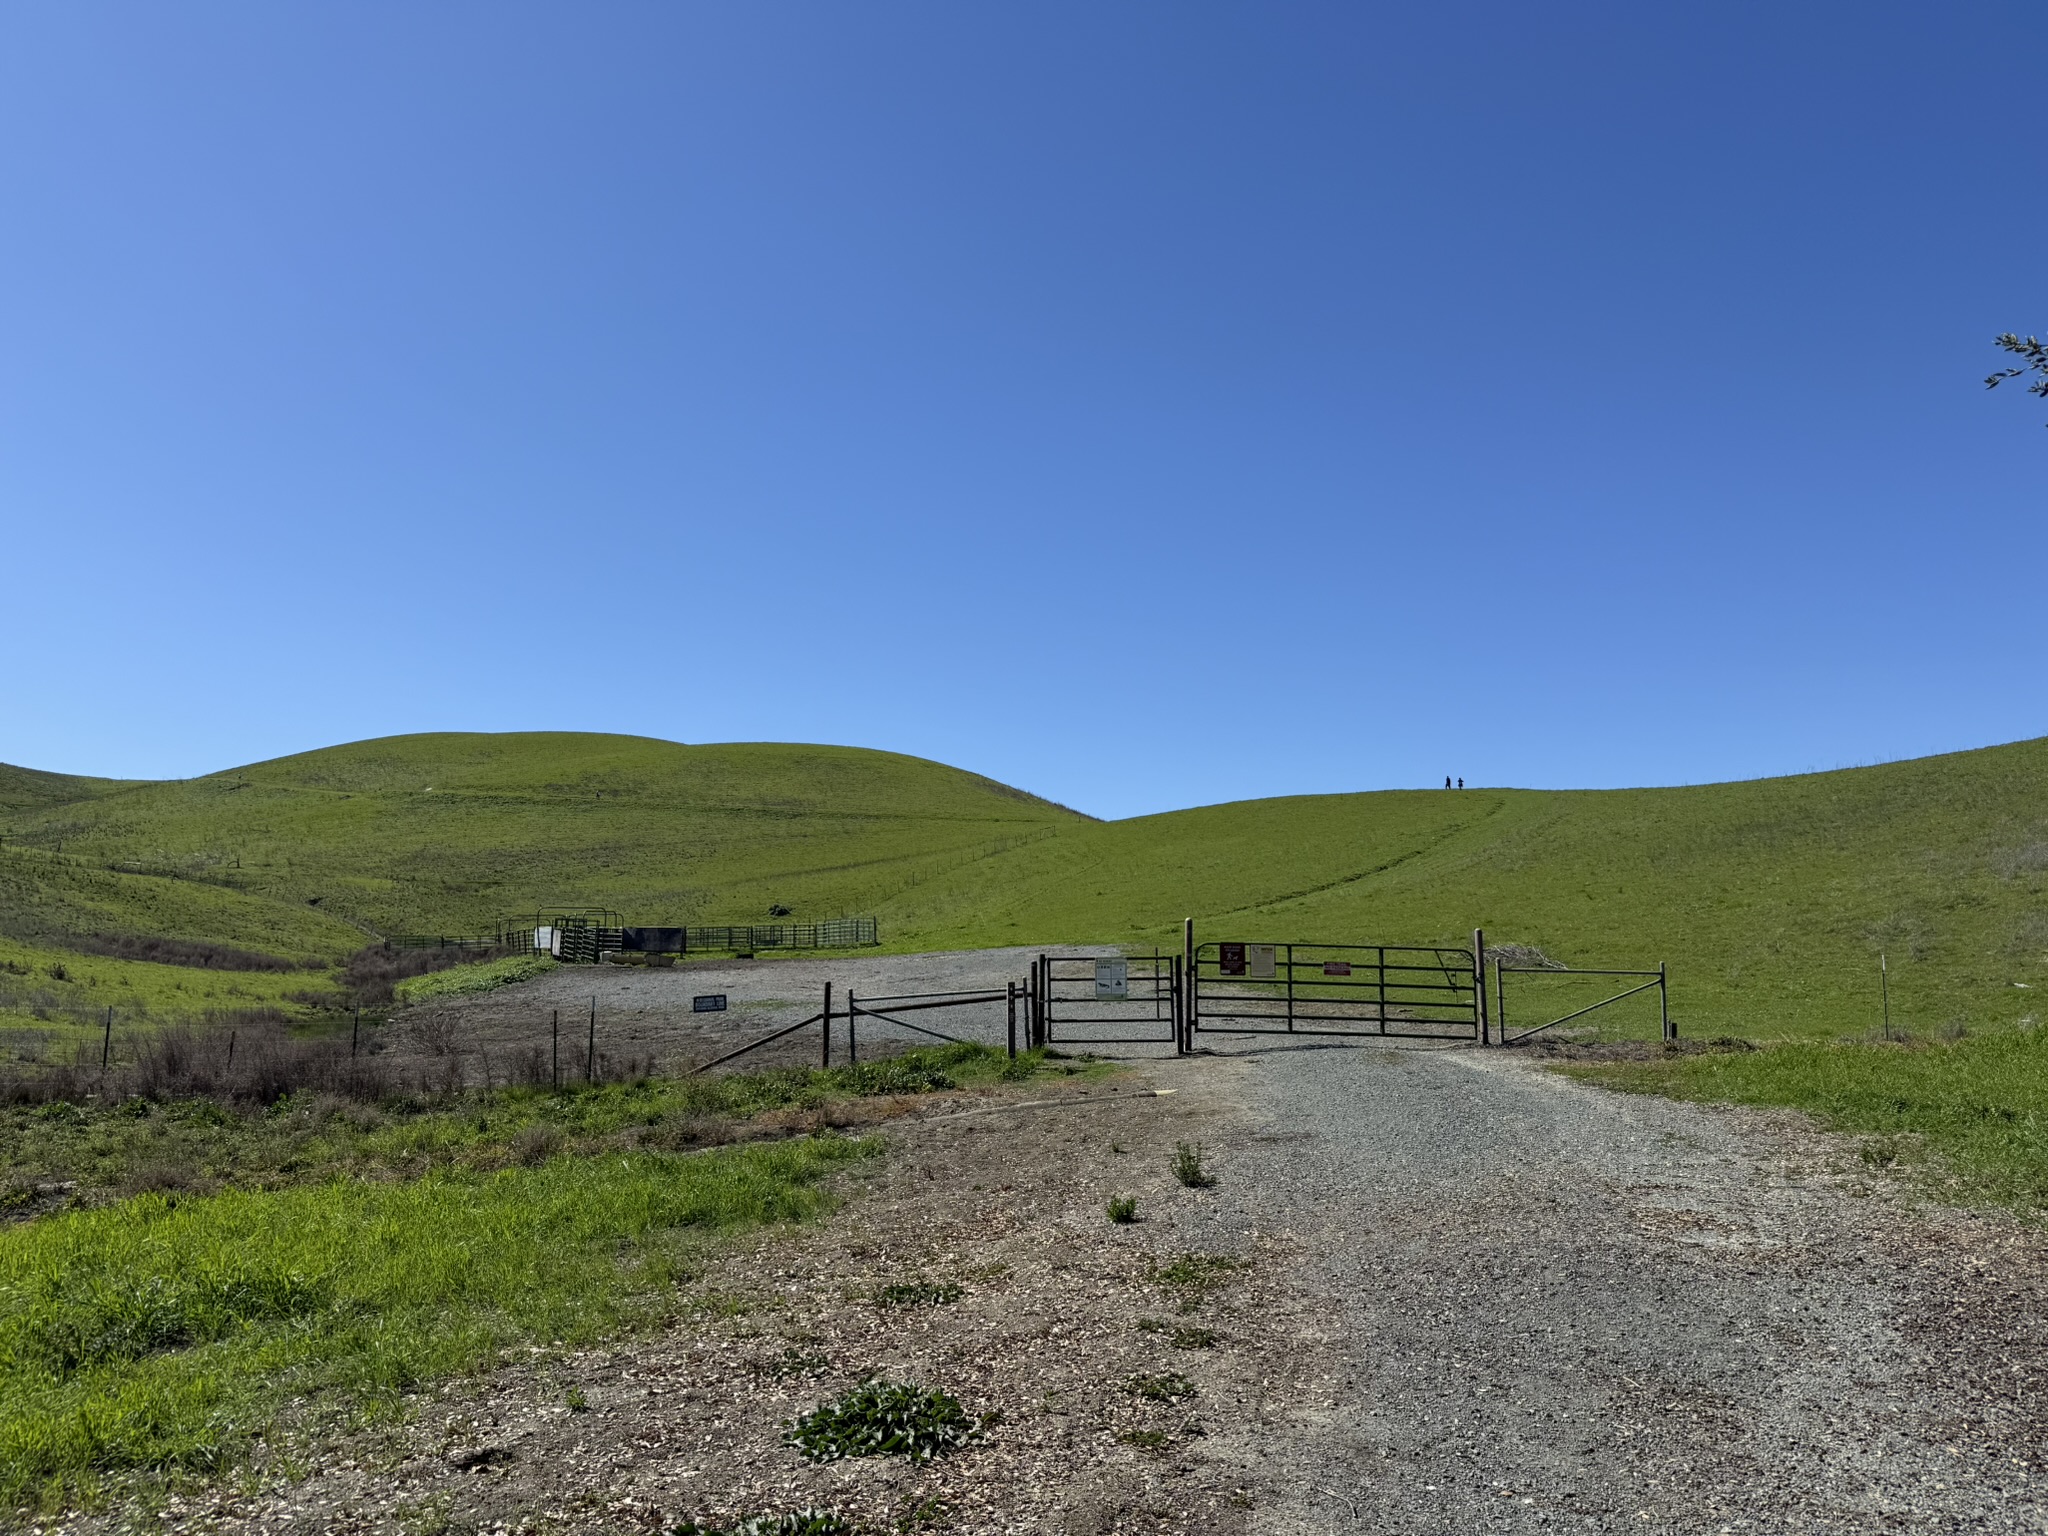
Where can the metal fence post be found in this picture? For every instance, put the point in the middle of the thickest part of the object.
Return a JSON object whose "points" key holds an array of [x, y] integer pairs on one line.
{"points": [[107, 1042], [590, 1051], [1664, 1003], [1010, 999], [1479, 1017], [555, 1057], [1187, 983], [825, 1050], [852, 1040], [355, 1034], [1044, 1001]]}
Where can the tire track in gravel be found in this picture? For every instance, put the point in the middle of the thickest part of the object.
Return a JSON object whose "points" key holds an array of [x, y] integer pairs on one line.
{"points": [[1527, 1304]]}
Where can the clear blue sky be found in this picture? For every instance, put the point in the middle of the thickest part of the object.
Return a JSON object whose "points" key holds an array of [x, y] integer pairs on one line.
{"points": [[1147, 404]]}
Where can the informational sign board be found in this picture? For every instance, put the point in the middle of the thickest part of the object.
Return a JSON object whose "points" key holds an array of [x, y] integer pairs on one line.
{"points": [[1336, 967], [1112, 978], [548, 940], [1230, 959], [708, 1002], [1259, 961]]}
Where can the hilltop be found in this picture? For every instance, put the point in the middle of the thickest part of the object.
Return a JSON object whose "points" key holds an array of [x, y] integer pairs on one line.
{"points": [[1771, 899]]}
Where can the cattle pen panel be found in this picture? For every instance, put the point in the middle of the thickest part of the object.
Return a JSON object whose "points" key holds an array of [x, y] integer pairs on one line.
{"points": [[1422, 992]]}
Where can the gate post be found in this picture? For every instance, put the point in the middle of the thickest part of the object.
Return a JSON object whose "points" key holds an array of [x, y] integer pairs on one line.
{"points": [[1664, 1003], [1010, 996], [1180, 1015], [1479, 1013], [1187, 981], [825, 1054], [1044, 1002]]}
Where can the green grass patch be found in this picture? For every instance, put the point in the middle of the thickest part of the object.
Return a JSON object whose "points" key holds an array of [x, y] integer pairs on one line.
{"points": [[137, 1145], [52, 998], [158, 1335], [1970, 1115], [466, 980]]}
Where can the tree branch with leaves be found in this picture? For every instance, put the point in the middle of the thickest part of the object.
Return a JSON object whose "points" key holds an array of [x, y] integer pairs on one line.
{"points": [[2035, 353]]}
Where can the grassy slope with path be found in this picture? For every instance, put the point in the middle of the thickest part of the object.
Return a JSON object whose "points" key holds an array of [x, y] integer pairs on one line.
{"points": [[1771, 899]]}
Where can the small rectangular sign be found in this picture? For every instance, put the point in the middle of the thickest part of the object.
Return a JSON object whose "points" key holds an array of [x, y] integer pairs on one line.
{"points": [[1112, 978], [1336, 967], [1259, 958], [708, 1002], [1230, 959]]}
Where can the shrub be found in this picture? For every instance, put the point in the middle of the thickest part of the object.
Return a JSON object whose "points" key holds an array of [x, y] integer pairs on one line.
{"points": [[1187, 1166], [1123, 1209], [194, 953], [883, 1418]]}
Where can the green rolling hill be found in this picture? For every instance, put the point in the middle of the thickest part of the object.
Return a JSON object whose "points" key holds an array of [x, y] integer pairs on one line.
{"points": [[1770, 899]]}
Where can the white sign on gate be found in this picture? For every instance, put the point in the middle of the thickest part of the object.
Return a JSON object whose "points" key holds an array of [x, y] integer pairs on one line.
{"points": [[1261, 957], [1112, 978]]}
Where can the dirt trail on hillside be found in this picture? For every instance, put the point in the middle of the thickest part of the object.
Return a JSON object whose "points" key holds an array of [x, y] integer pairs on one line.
{"points": [[1471, 1296]]}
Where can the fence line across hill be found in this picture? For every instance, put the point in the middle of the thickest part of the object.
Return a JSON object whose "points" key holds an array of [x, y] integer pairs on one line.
{"points": [[576, 939]]}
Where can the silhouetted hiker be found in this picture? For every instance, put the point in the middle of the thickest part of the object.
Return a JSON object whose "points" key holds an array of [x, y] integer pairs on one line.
{"points": [[1447, 781], [1461, 783]]}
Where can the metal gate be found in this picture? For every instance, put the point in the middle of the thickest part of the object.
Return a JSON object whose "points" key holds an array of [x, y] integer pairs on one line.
{"points": [[1108, 1000], [1645, 981], [1401, 991]]}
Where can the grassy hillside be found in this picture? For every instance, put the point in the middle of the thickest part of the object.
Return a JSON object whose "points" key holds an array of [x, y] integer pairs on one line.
{"points": [[1771, 899], [306, 854]]}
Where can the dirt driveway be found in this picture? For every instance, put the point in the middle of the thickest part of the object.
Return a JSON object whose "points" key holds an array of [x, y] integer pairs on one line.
{"points": [[1462, 1295]]}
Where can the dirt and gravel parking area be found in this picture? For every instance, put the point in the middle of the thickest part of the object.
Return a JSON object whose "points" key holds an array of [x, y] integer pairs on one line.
{"points": [[645, 1014]]}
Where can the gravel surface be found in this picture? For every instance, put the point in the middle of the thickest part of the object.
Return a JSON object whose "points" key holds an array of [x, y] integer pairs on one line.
{"points": [[645, 1013], [1544, 1306]]}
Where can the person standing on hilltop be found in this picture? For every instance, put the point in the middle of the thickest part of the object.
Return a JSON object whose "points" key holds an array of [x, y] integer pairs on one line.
{"points": [[1447, 781]]}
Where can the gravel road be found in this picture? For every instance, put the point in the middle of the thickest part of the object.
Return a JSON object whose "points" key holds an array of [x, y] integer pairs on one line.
{"points": [[1537, 1305]]}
